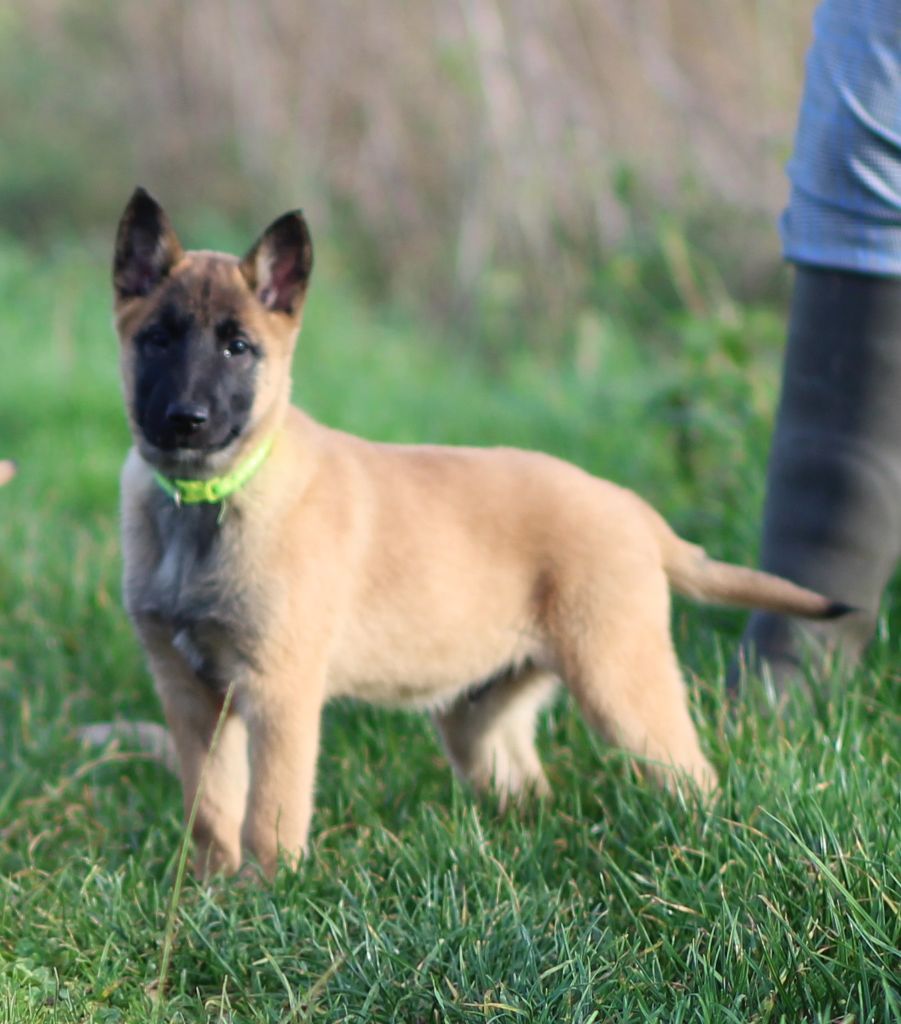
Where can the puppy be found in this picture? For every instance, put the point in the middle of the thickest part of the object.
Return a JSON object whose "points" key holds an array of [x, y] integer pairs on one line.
{"points": [[284, 563]]}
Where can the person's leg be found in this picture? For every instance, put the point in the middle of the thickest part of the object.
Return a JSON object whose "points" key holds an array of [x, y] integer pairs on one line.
{"points": [[832, 519]]}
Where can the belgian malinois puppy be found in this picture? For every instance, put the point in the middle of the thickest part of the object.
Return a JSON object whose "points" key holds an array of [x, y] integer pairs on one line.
{"points": [[287, 563]]}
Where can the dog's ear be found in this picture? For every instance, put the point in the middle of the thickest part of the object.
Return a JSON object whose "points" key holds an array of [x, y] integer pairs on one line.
{"points": [[278, 266], [146, 247]]}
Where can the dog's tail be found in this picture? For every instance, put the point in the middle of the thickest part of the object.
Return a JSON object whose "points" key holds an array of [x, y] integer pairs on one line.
{"points": [[695, 575]]}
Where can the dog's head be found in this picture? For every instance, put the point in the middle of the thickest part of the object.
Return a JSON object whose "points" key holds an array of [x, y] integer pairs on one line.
{"points": [[206, 338]]}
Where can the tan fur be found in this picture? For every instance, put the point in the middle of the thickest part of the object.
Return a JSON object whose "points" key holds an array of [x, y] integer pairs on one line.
{"points": [[406, 575]]}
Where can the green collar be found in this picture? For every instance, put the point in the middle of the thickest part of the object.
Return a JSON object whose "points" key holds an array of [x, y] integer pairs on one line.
{"points": [[217, 488]]}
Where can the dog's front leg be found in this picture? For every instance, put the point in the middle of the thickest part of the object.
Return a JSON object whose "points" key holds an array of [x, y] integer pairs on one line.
{"points": [[192, 712], [282, 716]]}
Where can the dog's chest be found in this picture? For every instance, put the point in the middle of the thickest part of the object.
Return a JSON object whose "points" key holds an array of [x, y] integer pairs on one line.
{"points": [[193, 591]]}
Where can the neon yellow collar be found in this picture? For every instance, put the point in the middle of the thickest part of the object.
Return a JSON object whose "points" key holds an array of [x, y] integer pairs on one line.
{"points": [[217, 488]]}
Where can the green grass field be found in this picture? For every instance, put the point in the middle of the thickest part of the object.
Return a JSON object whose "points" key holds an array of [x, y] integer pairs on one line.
{"points": [[418, 902]]}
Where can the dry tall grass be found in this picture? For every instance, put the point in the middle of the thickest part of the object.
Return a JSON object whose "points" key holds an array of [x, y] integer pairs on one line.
{"points": [[449, 139]]}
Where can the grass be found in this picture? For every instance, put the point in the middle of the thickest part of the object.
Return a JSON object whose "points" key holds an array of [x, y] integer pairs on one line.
{"points": [[419, 902]]}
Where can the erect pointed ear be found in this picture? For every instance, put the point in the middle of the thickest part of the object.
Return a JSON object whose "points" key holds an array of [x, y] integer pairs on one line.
{"points": [[146, 247], [278, 266]]}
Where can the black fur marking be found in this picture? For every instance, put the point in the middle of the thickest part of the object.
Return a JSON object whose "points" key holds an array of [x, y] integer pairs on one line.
{"points": [[228, 328], [214, 650], [190, 593], [195, 529], [172, 326], [278, 266], [146, 247], [206, 292], [178, 361], [837, 609]]}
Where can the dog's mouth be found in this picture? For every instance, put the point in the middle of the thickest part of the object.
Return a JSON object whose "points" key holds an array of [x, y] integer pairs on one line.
{"points": [[188, 456]]}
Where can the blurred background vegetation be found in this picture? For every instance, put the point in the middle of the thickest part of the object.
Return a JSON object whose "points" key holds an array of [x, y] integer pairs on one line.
{"points": [[575, 201], [504, 167]]}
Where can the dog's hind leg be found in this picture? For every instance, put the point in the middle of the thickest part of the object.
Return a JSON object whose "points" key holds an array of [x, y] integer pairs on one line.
{"points": [[489, 735], [624, 674]]}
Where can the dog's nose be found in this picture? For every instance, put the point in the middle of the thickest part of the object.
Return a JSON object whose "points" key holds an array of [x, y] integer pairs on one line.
{"points": [[187, 417]]}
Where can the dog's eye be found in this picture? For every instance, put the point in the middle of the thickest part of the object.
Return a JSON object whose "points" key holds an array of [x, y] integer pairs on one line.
{"points": [[236, 347], [156, 338]]}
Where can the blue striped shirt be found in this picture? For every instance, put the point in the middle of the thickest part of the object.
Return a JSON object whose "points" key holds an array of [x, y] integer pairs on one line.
{"points": [[845, 204]]}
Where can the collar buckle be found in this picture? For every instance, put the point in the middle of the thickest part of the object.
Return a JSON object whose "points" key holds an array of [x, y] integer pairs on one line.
{"points": [[215, 490]]}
